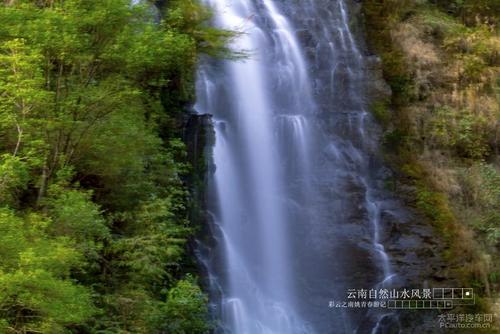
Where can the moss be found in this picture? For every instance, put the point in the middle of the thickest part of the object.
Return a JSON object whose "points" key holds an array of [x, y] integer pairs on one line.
{"points": [[435, 206], [413, 170], [441, 23], [381, 112], [493, 277], [395, 139]]}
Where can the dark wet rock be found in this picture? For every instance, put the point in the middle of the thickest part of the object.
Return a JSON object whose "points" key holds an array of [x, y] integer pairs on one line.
{"points": [[304, 36]]}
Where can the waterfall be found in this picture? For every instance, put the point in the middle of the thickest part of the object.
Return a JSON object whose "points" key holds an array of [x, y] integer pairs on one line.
{"points": [[296, 208]]}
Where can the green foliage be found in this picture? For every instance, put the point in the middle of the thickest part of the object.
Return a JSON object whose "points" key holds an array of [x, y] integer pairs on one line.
{"points": [[189, 16], [470, 11], [435, 206], [14, 177], [462, 131], [76, 216], [186, 309], [480, 186], [36, 293], [441, 24], [93, 211], [22, 99], [395, 139], [154, 243], [413, 170], [381, 113]]}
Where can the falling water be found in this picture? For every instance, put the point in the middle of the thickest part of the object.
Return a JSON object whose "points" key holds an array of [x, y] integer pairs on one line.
{"points": [[295, 198]]}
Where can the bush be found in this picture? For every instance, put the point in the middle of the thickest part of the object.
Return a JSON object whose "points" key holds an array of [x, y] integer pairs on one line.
{"points": [[462, 131], [186, 309]]}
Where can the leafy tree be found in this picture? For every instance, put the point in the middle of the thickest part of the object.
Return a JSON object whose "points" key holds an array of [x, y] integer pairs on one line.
{"points": [[92, 206], [186, 309], [36, 293], [14, 177]]}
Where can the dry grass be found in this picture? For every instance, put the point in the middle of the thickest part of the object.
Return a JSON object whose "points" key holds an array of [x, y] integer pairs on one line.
{"points": [[441, 174]]}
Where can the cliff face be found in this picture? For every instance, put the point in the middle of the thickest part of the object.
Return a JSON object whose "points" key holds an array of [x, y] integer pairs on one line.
{"points": [[441, 125], [198, 137], [418, 251], [430, 83]]}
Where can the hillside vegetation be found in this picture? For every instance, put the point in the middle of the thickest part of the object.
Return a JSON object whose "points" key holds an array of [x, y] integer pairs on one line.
{"points": [[441, 59], [93, 226]]}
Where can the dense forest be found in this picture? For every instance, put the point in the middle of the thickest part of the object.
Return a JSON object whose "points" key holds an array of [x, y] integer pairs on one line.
{"points": [[93, 207], [441, 124]]}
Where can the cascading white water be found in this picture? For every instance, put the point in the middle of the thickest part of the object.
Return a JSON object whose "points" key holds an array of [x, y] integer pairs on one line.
{"points": [[258, 296], [296, 212]]}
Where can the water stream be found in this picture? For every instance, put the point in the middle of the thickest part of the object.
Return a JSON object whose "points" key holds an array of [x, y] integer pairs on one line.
{"points": [[295, 198]]}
